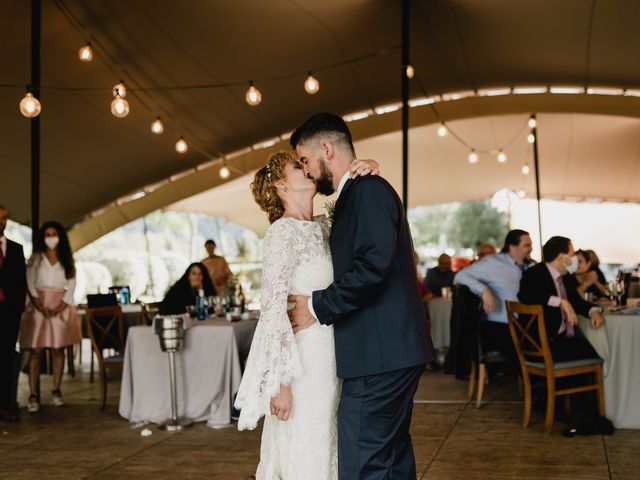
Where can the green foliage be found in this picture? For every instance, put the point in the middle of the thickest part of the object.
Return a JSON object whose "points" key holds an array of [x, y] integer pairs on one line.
{"points": [[465, 225]]}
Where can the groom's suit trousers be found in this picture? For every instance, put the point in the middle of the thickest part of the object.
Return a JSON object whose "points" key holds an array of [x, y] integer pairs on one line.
{"points": [[374, 417]]}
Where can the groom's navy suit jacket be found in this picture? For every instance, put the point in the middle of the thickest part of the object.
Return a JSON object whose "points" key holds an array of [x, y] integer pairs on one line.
{"points": [[373, 303]]}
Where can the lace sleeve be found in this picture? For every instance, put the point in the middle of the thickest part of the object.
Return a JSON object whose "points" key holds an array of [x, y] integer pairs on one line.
{"points": [[274, 359]]}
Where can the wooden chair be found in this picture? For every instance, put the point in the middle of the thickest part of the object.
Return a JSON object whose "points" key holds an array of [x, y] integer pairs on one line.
{"points": [[105, 326], [528, 332], [149, 310]]}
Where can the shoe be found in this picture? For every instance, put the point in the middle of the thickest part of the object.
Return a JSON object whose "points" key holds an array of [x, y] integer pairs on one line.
{"points": [[33, 406], [56, 398], [9, 416], [433, 366]]}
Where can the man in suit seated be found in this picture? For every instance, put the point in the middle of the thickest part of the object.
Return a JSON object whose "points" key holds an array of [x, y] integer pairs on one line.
{"points": [[439, 277], [548, 284]]}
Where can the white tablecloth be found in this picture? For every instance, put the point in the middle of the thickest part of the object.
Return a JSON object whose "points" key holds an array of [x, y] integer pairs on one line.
{"points": [[208, 373], [618, 343], [440, 315]]}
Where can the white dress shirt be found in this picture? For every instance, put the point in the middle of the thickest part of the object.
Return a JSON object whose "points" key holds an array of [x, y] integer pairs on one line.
{"points": [[341, 185], [41, 274]]}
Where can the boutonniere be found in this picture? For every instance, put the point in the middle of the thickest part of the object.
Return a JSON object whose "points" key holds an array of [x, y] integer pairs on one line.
{"points": [[330, 207]]}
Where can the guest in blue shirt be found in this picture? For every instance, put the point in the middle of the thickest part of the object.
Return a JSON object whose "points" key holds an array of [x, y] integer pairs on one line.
{"points": [[439, 277], [495, 279]]}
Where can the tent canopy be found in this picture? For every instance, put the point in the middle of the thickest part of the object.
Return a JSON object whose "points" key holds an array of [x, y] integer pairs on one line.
{"points": [[90, 159]]}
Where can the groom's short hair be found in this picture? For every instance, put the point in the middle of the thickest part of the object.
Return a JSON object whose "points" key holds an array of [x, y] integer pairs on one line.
{"points": [[323, 125]]}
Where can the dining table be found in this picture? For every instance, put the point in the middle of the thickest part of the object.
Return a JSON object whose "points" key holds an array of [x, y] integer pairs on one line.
{"points": [[617, 342], [209, 370], [440, 316]]}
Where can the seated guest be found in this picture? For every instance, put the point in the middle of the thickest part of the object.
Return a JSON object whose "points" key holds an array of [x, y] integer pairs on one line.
{"points": [[496, 278], [185, 290], [425, 294], [218, 268], [485, 249], [589, 276], [548, 284], [439, 277]]}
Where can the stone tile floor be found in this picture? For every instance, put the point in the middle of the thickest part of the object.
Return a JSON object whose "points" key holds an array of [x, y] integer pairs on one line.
{"points": [[452, 440]]}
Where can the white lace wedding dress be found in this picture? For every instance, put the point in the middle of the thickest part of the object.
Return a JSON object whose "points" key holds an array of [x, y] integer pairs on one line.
{"points": [[297, 260]]}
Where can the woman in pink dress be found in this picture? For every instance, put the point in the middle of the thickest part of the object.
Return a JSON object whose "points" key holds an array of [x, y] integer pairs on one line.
{"points": [[50, 319]]}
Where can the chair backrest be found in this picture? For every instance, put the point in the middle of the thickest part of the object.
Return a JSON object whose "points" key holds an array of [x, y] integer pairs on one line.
{"points": [[105, 326], [98, 300], [529, 334], [150, 310]]}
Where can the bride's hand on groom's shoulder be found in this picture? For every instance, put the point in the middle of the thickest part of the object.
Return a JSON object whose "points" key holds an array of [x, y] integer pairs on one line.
{"points": [[360, 168], [299, 315], [282, 403]]}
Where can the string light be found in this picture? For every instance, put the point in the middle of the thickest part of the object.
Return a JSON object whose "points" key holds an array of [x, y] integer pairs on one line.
{"points": [[119, 90], [442, 131], [410, 71], [521, 194], [502, 157], [85, 53], [311, 84], [157, 127], [473, 157], [119, 107], [181, 146], [531, 138], [526, 169], [224, 171], [30, 106], [253, 95], [532, 122]]}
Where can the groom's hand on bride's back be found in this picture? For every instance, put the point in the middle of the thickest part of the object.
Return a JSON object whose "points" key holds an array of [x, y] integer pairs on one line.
{"points": [[299, 315]]}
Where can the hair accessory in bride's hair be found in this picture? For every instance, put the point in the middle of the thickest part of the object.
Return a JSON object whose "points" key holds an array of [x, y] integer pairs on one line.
{"points": [[268, 171]]}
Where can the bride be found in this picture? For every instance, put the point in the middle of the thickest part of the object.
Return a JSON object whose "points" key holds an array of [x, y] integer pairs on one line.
{"points": [[291, 379]]}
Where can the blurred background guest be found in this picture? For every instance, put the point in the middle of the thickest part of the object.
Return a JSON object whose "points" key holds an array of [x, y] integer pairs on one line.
{"points": [[439, 277], [217, 267], [50, 319], [589, 276], [485, 249], [496, 279], [425, 293], [13, 289], [185, 290]]}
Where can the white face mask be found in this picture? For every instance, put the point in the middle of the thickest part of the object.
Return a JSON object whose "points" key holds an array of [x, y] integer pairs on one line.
{"points": [[52, 242], [573, 265]]}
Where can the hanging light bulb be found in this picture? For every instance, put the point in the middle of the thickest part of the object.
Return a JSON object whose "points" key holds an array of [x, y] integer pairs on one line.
{"points": [[526, 169], [473, 157], [157, 127], [532, 122], [119, 90], [224, 171], [502, 157], [85, 53], [181, 146], [521, 194], [119, 107], [253, 95], [311, 84], [531, 138], [410, 71], [442, 131], [30, 106]]}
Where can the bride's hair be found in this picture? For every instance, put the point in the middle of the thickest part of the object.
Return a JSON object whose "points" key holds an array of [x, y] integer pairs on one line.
{"points": [[262, 187]]}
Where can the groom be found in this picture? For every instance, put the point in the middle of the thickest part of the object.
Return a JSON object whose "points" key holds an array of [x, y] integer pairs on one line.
{"points": [[373, 304]]}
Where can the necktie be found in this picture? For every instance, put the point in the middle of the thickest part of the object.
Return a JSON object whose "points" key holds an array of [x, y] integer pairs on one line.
{"points": [[1, 265], [563, 294]]}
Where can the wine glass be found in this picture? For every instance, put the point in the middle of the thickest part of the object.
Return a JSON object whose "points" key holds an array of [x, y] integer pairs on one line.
{"points": [[619, 292]]}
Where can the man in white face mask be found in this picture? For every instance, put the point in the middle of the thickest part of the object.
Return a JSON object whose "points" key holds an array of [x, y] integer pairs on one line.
{"points": [[552, 285]]}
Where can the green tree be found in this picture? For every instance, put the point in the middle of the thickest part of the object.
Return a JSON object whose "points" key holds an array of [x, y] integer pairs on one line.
{"points": [[475, 222]]}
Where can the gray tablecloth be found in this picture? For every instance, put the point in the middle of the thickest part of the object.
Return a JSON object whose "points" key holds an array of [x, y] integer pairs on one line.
{"points": [[618, 343], [440, 315], [208, 373]]}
